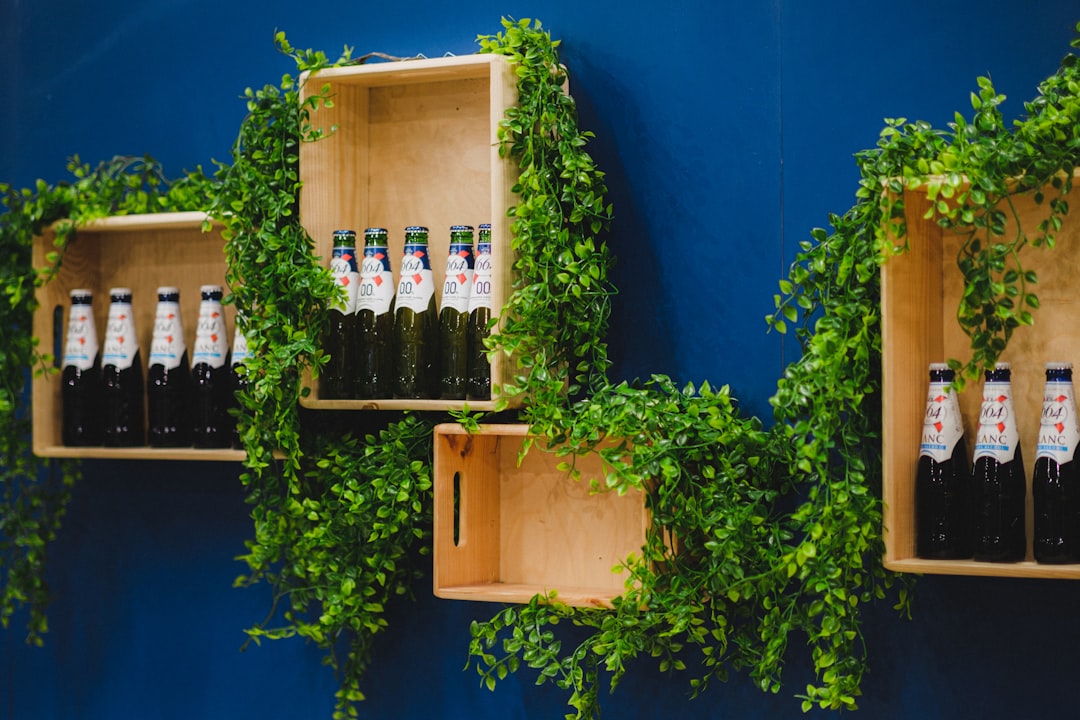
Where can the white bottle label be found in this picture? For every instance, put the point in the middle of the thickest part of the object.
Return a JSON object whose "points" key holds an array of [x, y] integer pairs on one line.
{"points": [[1058, 431], [343, 268], [211, 346], [457, 282], [416, 286], [120, 341], [240, 351], [80, 345], [998, 434], [167, 344], [376, 290], [942, 427], [480, 296]]}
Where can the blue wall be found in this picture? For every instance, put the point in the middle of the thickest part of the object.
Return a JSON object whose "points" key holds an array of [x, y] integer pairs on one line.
{"points": [[727, 130]]}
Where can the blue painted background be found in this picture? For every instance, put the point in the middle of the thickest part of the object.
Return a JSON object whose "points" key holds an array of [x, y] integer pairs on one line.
{"points": [[727, 130]]}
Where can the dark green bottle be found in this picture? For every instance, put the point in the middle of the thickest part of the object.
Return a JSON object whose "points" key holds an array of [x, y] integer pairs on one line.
{"points": [[416, 321], [340, 339], [479, 367], [454, 315], [123, 386], [374, 319]]}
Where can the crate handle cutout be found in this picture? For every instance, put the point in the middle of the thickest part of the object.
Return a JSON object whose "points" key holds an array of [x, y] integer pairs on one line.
{"points": [[457, 509]]}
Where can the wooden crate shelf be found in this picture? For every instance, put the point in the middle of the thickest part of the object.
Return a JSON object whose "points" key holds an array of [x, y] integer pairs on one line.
{"points": [[529, 528], [416, 144], [141, 252], [920, 291]]}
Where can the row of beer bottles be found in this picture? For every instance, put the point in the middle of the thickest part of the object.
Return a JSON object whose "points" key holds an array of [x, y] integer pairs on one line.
{"points": [[186, 404], [384, 343], [980, 512]]}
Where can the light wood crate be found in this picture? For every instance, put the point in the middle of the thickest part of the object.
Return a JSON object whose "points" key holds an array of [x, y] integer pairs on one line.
{"points": [[529, 528], [141, 252], [920, 292], [416, 144]]}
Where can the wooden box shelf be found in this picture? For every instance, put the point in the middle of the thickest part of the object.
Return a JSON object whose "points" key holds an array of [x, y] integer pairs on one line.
{"points": [[920, 291], [416, 143], [141, 252], [505, 532]]}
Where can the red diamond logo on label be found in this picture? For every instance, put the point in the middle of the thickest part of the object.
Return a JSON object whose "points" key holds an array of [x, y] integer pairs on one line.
{"points": [[418, 278], [377, 280], [1002, 398], [1060, 427], [461, 278], [1001, 427], [939, 398], [938, 426]]}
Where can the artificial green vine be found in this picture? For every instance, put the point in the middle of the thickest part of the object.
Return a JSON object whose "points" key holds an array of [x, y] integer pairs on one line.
{"points": [[759, 534], [34, 493], [555, 321], [780, 531], [337, 515]]}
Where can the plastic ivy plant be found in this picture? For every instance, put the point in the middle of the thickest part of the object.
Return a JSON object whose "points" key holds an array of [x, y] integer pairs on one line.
{"points": [[777, 528], [34, 493], [779, 531]]}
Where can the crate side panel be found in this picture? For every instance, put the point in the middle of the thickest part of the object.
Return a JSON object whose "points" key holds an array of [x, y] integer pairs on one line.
{"points": [[473, 459], [504, 175], [912, 337]]}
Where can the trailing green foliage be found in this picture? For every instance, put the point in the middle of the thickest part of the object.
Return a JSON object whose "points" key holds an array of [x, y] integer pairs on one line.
{"points": [[555, 321], [759, 534], [34, 493], [338, 516], [778, 532]]}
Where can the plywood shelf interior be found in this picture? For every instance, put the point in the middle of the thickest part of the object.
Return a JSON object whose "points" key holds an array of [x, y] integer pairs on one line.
{"points": [[416, 143], [505, 532], [920, 291], [141, 252]]}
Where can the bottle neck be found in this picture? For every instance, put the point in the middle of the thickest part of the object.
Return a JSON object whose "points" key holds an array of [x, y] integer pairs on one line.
{"points": [[1059, 375]]}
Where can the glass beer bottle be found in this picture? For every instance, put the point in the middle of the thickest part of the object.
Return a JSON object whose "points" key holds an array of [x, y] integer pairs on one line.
{"points": [[998, 480], [943, 522], [81, 375], [1054, 479], [168, 379], [416, 321], [122, 375], [336, 382], [479, 367], [454, 315], [211, 375], [374, 318]]}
